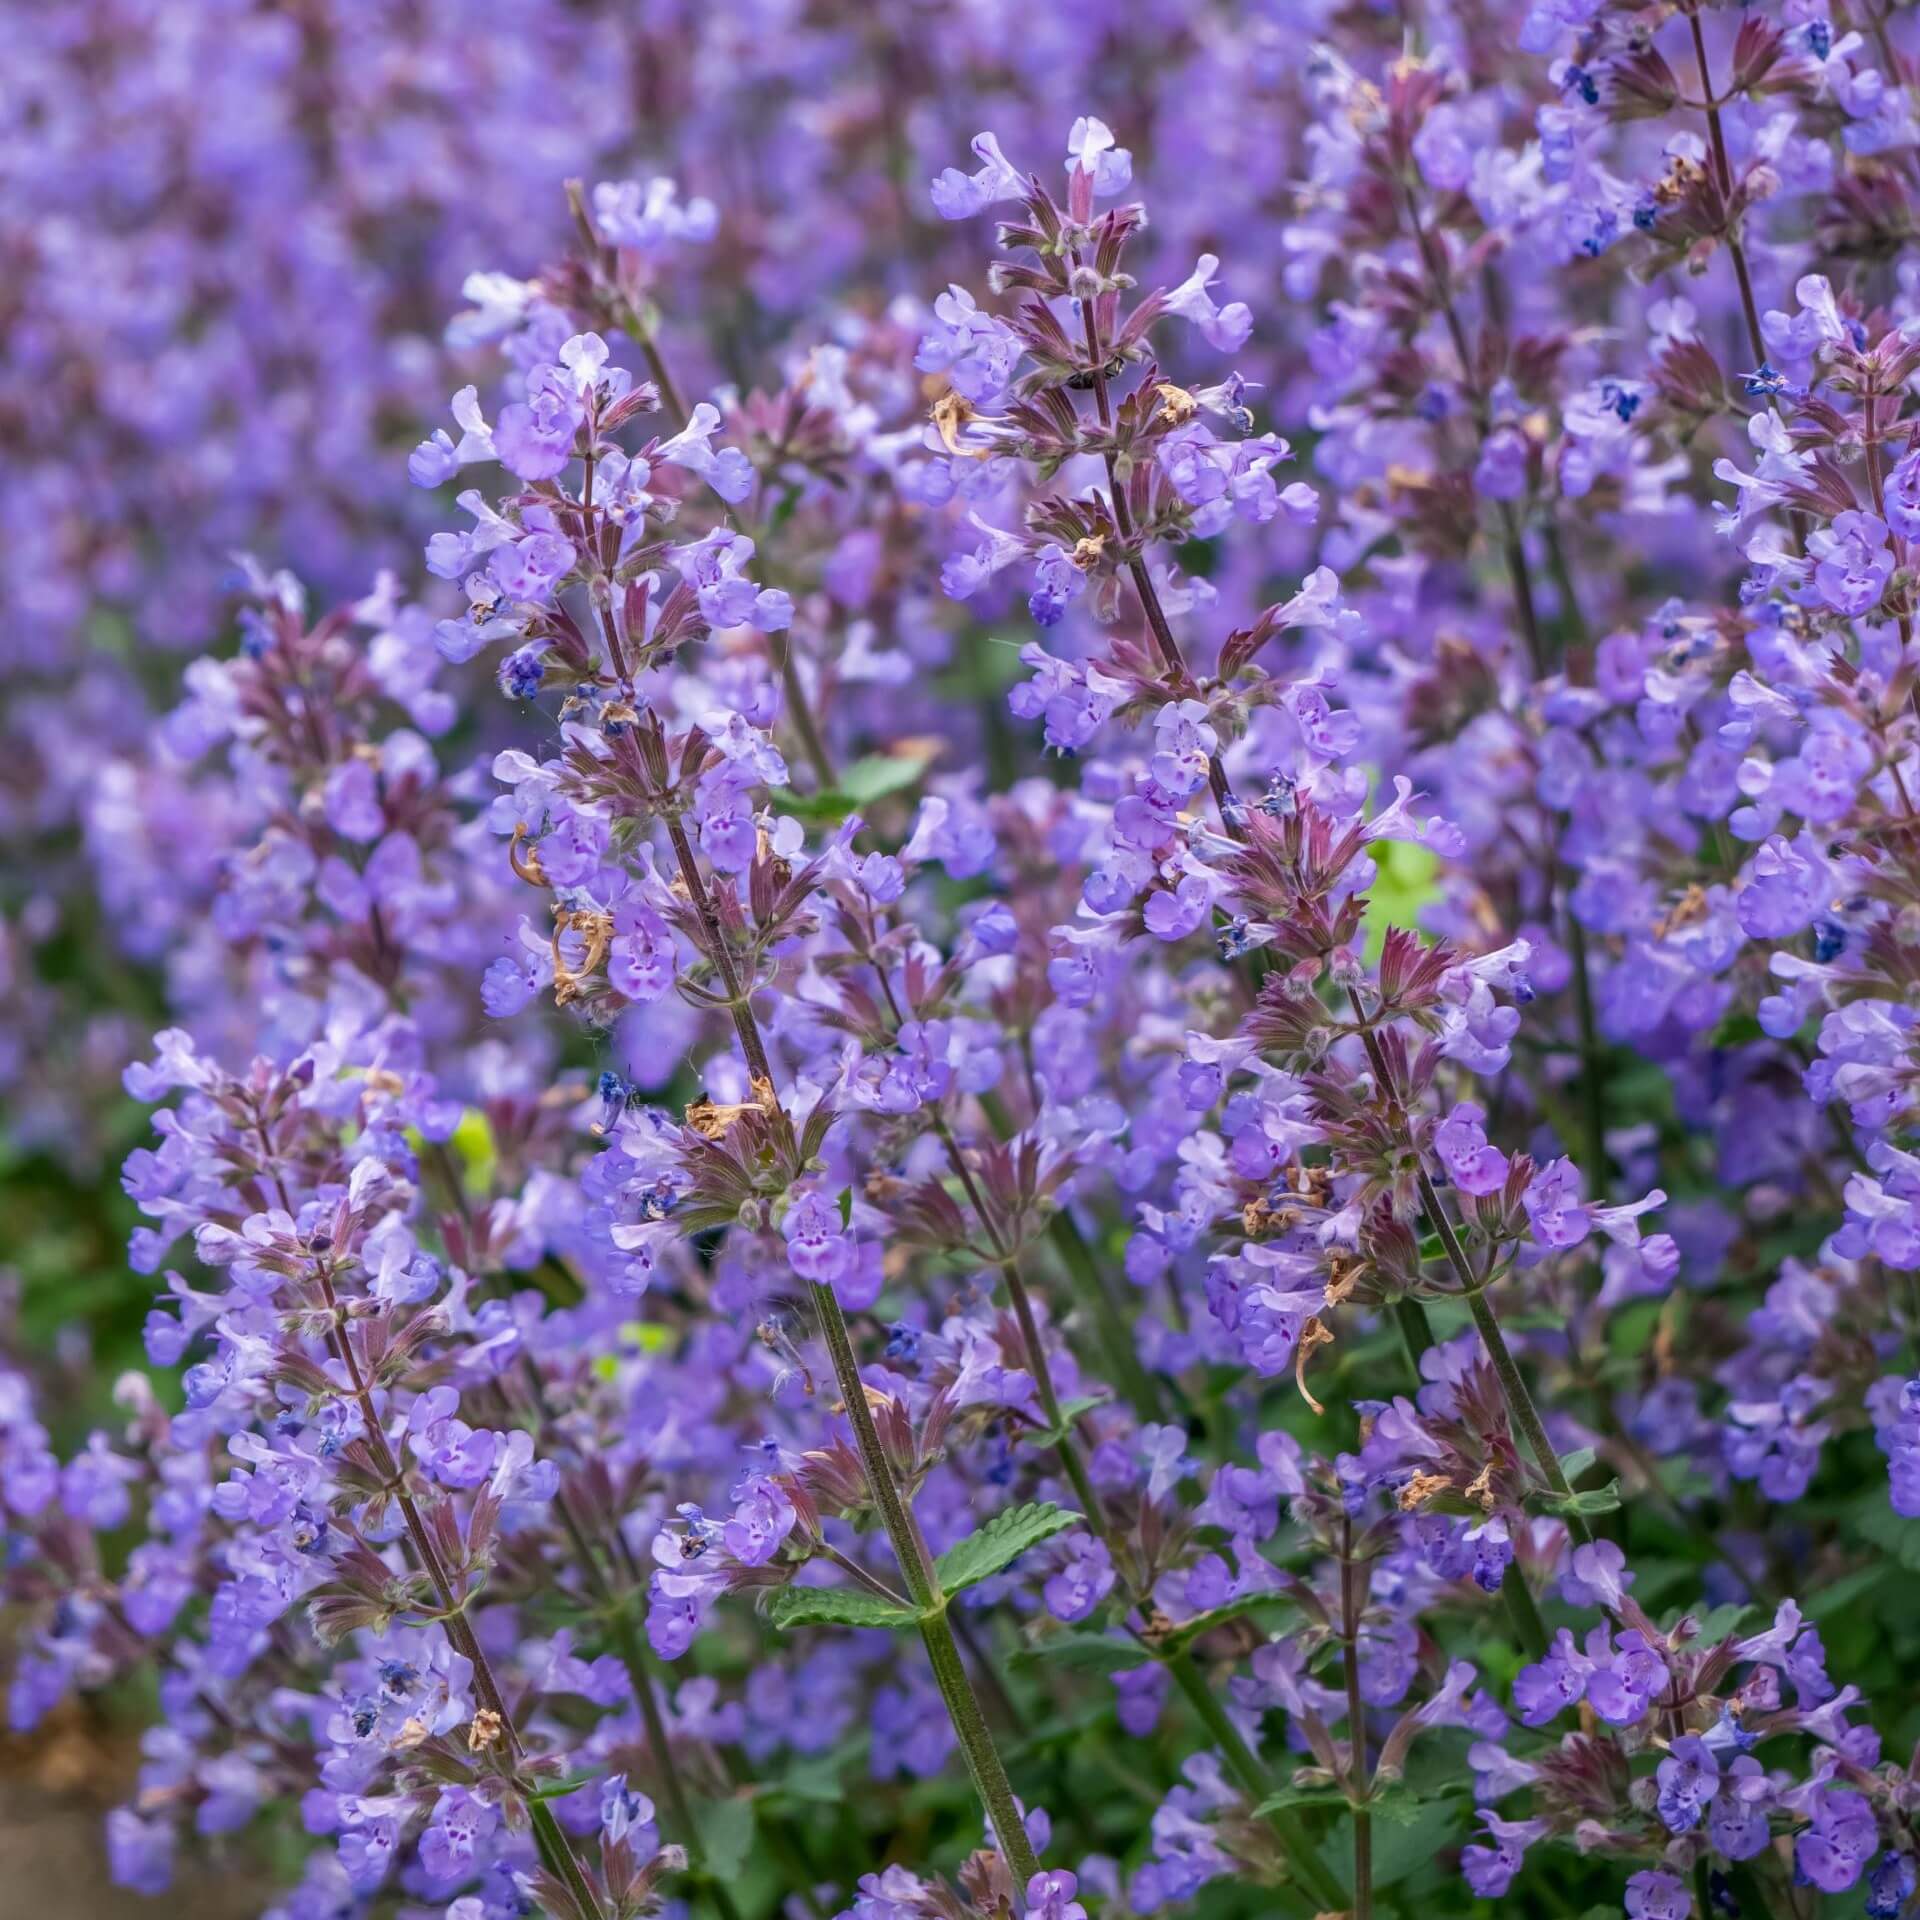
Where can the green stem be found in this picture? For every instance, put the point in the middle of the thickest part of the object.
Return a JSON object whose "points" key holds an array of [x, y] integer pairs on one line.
{"points": [[1255, 1781], [555, 1848], [1089, 1282], [1038, 1363], [1359, 1774], [804, 724], [1415, 1335], [1519, 1401], [916, 1568], [1512, 1382], [1592, 1064], [1723, 175], [685, 1829], [1091, 1287], [1523, 1611], [908, 1543]]}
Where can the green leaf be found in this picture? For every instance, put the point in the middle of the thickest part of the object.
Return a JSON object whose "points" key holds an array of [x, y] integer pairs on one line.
{"points": [[860, 785], [558, 1789], [819, 1778], [1408, 1832], [1717, 1622], [1190, 1630], [1574, 1464], [1289, 1797], [1404, 886], [1828, 1601], [1001, 1542], [835, 1607], [1093, 1652], [726, 1836], [1070, 1411], [1591, 1500], [1877, 1523]]}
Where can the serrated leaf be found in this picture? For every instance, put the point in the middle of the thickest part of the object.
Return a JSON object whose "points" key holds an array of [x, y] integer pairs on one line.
{"points": [[1289, 1797], [1001, 1542], [1408, 1833], [834, 1607]]}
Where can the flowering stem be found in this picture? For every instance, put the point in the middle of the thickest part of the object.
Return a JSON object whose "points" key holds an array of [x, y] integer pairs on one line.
{"points": [[686, 1829], [1078, 1257], [673, 402], [627, 1643], [1723, 174], [1512, 1383], [1178, 1661], [903, 1533], [746, 1028], [930, 1603], [555, 1848], [1037, 1362], [1520, 1402], [801, 714], [1522, 578], [1522, 1609], [1439, 285], [1157, 623], [1088, 1282], [1255, 1781]]}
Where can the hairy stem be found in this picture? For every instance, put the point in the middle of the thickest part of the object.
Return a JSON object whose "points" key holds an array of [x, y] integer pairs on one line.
{"points": [[1359, 1776], [916, 1566]]}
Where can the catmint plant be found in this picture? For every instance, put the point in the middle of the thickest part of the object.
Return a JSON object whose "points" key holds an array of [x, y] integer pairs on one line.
{"points": [[1035, 1034]]}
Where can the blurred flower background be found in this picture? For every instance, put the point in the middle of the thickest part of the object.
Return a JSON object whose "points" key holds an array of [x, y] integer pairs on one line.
{"points": [[1296, 764]]}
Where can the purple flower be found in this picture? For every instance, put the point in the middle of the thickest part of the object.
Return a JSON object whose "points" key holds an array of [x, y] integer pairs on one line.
{"points": [[1082, 1581], [1833, 1851], [762, 1518], [1688, 1778], [1471, 1163], [1552, 1202], [1654, 1895], [818, 1246], [1050, 1896], [1490, 1870], [1854, 562], [534, 437]]}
